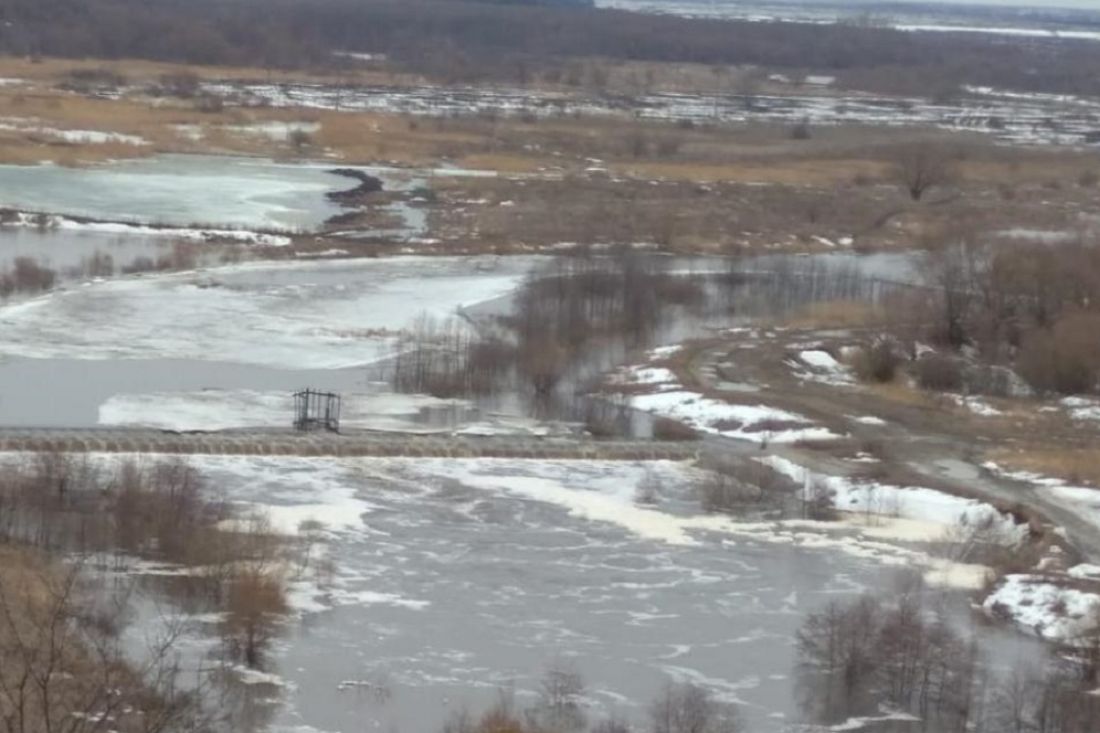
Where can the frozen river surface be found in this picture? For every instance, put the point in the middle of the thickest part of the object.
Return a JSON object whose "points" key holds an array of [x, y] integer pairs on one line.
{"points": [[180, 190]]}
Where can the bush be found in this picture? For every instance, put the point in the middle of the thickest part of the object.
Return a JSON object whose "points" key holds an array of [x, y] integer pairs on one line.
{"points": [[802, 131], [209, 104], [184, 85], [939, 372], [879, 363], [29, 276], [255, 606], [671, 430], [819, 502], [997, 381], [299, 139], [1088, 179], [1065, 359]]}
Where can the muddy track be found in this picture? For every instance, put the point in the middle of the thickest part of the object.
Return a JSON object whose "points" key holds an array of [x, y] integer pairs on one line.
{"points": [[919, 445], [356, 444]]}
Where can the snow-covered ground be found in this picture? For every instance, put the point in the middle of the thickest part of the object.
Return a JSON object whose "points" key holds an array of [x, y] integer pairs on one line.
{"points": [[976, 405], [1083, 500], [1082, 408], [666, 397], [1046, 608], [817, 365], [305, 315], [53, 222], [1010, 117], [939, 512], [920, 18], [76, 137], [743, 422]]}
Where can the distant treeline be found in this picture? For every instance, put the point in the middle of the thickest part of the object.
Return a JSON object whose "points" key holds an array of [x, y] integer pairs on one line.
{"points": [[507, 39]]}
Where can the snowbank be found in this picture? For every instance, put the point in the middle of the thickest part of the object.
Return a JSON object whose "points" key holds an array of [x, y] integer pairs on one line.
{"points": [[914, 503], [1084, 501], [242, 236], [1048, 610], [742, 422]]}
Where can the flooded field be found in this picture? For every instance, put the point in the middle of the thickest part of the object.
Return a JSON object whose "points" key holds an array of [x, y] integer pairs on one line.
{"points": [[224, 346], [465, 578], [258, 327]]}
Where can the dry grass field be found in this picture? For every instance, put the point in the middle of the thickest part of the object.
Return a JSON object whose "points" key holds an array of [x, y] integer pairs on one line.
{"points": [[574, 179]]}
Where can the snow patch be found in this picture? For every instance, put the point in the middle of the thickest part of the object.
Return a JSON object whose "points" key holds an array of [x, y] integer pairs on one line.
{"points": [[743, 422], [1044, 608]]}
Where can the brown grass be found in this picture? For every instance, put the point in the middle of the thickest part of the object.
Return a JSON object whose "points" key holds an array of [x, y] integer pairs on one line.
{"points": [[788, 172], [1074, 465], [49, 70], [834, 314], [901, 393]]}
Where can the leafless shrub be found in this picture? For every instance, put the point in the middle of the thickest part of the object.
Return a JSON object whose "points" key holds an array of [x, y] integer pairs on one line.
{"points": [[687, 708], [673, 430], [989, 379], [100, 264], [255, 607], [559, 708], [299, 139], [649, 489], [612, 725], [26, 276], [209, 104], [939, 372], [877, 363], [819, 501], [725, 493], [1065, 359], [183, 84], [802, 131], [138, 265], [184, 255], [1088, 179], [923, 166], [89, 80], [668, 146], [64, 668]]}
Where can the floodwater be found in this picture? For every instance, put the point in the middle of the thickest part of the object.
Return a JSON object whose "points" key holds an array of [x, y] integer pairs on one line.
{"points": [[466, 578], [268, 327], [272, 328], [69, 251], [452, 580]]}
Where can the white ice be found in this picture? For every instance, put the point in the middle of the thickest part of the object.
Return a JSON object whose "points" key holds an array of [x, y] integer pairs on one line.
{"points": [[305, 315]]}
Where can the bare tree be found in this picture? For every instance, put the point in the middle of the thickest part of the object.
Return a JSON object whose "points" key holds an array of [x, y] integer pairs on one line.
{"points": [[687, 708], [922, 166], [956, 267], [63, 668], [559, 709]]}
